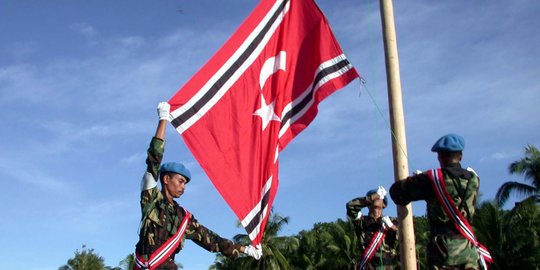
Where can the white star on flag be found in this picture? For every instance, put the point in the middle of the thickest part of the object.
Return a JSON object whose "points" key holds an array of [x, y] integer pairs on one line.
{"points": [[266, 112]]}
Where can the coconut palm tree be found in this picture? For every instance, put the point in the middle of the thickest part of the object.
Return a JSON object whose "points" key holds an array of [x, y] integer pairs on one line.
{"points": [[274, 247], [86, 259], [491, 230], [529, 167], [343, 246], [310, 255], [128, 262], [510, 236]]}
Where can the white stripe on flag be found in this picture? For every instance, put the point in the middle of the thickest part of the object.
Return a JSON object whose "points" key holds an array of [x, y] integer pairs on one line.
{"points": [[255, 211], [306, 92]]}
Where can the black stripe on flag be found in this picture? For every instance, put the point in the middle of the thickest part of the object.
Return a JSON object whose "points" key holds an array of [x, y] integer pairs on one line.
{"points": [[227, 75], [258, 217], [304, 102]]}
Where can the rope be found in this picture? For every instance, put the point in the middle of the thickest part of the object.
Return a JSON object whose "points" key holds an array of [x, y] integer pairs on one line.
{"points": [[373, 5], [400, 146]]}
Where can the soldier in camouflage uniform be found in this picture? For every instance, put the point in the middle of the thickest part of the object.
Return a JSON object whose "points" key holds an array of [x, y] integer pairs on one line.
{"points": [[447, 248], [161, 215], [366, 226]]}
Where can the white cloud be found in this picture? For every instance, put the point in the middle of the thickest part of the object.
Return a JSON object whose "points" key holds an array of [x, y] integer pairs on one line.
{"points": [[32, 175], [93, 216], [499, 156], [18, 83], [132, 42], [136, 158], [22, 49], [84, 29], [71, 132]]}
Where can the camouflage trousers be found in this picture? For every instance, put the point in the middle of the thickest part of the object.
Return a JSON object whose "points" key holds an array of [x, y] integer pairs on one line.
{"points": [[451, 252]]}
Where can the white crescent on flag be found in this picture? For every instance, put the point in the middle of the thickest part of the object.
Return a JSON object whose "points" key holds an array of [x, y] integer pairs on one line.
{"points": [[254, 96]]}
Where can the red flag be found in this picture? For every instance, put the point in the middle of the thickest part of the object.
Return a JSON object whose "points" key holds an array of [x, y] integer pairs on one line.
{"points": [[254, 96]]}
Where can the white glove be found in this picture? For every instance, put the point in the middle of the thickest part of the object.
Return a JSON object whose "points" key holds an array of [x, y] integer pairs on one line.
{"points": [[358, 216], [417, 172], [255, 252], [381, 192], [471, 170], [387, 222], [163, 110]]}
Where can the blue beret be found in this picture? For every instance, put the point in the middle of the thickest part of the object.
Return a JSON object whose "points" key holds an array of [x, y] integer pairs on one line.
{"points": [[449, 143], [174, 167], [373, 191]]}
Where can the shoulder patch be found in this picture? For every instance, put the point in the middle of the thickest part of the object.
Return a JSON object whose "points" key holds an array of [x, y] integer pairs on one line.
{"points": [[471, 170], [148, 182]]}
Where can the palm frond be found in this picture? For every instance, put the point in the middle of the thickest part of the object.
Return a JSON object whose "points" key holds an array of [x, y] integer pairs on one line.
{"points": [[514, 187]]}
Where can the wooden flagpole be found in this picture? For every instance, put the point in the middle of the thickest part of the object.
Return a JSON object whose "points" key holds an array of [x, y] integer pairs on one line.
{"points": [[399, 143]]}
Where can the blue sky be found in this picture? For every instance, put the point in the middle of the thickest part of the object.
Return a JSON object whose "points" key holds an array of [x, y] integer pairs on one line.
{"points": [[80, 81]]}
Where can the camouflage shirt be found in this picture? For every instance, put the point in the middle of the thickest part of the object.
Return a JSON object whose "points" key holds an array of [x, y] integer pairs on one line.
{"points": [[366, 227], [447, 246], [161, 219]]}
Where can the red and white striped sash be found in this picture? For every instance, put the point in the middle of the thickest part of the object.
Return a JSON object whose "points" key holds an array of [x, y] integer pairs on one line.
{"points": [[371, 249], [459, 221], [164, 251]]}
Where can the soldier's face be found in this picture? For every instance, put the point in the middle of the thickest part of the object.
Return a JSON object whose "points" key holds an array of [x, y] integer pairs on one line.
{"points": [[176, 185], [375, 210]]}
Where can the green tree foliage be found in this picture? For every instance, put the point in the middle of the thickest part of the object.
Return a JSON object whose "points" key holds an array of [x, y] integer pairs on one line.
{"points": [[529, 167], [512, 237], [274, 248], [330, 245], [309, 254], [85, 259], [342, 244], [128, 263], [489, 229]]}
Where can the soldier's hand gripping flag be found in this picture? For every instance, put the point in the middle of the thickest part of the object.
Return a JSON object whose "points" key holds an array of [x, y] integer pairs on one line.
{"points": [[254, 96]]}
